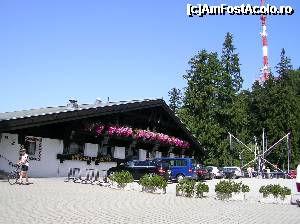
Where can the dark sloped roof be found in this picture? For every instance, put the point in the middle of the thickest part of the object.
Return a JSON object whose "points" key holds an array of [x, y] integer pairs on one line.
{"points": [[29, 118], [60, 109]]}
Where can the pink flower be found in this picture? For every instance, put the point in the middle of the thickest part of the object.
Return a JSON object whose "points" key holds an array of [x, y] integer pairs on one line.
{"points": [[120, 131], [99, 129]]}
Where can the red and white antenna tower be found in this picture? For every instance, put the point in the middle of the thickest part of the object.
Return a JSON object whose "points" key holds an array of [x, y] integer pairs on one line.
{"points": [[265, 68]]}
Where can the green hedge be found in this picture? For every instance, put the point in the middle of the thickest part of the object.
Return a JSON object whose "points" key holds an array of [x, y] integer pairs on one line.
{"points": [[153, 182], [189, 188], [121, 178], [227, 187], [276, 190]]}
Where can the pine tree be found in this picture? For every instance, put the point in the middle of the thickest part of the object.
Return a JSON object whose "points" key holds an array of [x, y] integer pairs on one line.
{"points": [[230, 62], [284, 66], [205, 108], [175, 99]]}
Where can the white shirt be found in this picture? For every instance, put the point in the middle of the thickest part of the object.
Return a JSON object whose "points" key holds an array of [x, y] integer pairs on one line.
{"points": [[24, 160]]}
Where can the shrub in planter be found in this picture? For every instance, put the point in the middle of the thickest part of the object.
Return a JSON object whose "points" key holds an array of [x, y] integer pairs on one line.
{"points": [[121, 178], [186, 188], [201, 188], [226, 189], [151, 183], [276, 190]]}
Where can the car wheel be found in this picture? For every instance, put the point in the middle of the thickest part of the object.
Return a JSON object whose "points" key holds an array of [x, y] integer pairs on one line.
{"points": [[179, 177], [234, 176]]}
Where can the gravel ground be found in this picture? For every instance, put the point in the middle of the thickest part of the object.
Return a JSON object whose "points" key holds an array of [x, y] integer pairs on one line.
{"points": [[54, 201]]}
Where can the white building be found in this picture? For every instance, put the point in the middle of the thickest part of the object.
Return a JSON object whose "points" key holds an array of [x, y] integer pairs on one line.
{"points": [[78, 136]]}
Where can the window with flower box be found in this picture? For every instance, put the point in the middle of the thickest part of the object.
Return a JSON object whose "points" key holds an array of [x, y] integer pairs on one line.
{"points": [[105, 150], [73, 148]]}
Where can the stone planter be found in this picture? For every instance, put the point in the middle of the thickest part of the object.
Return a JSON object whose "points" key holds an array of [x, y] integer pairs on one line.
{"points": [[230, 197], [273, 200], [223, 196], [238, 196], [155, 191], [127, 187]]}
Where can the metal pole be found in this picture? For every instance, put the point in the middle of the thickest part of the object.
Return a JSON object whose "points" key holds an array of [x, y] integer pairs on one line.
{"points": [[263, 142], [230, 140], [271, 147], [239, 141], [289, 151]]}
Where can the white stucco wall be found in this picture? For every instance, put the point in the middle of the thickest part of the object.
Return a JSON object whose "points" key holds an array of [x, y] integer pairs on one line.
{"points": [[9, 148], [172, 155], [91, 149], [142, 154], [49, 166], [119, 152]]}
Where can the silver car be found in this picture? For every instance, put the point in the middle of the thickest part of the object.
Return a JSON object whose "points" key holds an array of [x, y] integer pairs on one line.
{"points": [[215, 172]]}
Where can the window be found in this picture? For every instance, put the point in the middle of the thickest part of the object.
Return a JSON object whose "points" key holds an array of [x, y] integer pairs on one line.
{"points": [[180, 162], [131, 153], [177, 162], [110, 151], [73, 148], [31, 148], [102, 151]]}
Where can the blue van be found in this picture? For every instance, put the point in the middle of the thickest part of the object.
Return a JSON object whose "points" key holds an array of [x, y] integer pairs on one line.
{"points": [[181, 168]]}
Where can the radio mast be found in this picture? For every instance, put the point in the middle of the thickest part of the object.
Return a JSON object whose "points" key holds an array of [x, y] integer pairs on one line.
{"points": [[265, 68]]}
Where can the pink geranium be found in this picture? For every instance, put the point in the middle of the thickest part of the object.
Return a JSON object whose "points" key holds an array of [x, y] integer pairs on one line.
{"points": [[120, 131], [99, 129], [148, 135], [140, 134]]}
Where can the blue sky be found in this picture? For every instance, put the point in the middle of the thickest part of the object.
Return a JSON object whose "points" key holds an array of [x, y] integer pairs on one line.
{"points": [[53, 50]]}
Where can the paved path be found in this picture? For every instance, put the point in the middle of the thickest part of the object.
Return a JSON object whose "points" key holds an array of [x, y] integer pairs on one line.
{"points": [[53, 201]]}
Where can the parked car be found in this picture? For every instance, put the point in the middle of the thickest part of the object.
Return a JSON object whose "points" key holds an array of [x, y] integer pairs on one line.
{"points": [[232, 172], [139, 168], [181, 168], [292, 174], [215, 172], [203, 173]]}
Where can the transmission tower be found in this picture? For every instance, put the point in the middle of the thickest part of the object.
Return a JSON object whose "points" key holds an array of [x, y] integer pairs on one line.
{"points": [[265, 69]]}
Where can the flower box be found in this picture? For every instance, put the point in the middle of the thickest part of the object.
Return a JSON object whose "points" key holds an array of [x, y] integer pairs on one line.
{"points": [[115, 185], [231, 197], [275, 200], [156, 191]]}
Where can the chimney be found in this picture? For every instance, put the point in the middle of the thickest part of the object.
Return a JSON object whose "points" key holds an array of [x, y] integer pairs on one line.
{"points": [[73, 103], [98, 101]]}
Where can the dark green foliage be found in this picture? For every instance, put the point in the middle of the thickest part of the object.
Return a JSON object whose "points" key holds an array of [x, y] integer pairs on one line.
{"points": [[153, 182], [228, 187], [214, 104], [175, 99], [230, 62], [201, 188], [189, 188], [284, 66], [275, 190], [121, 178]]}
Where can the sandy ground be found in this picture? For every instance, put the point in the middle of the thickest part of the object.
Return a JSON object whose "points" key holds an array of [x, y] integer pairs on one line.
{"points": [[54, 201]]}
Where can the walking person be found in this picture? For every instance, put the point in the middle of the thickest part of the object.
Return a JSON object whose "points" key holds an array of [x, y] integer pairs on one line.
{"points": [[24, 163], [249, 170]]}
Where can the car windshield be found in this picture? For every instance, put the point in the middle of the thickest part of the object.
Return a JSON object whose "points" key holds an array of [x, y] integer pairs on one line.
{"points": [[142, 163], [229, 169], [200, 166]]}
